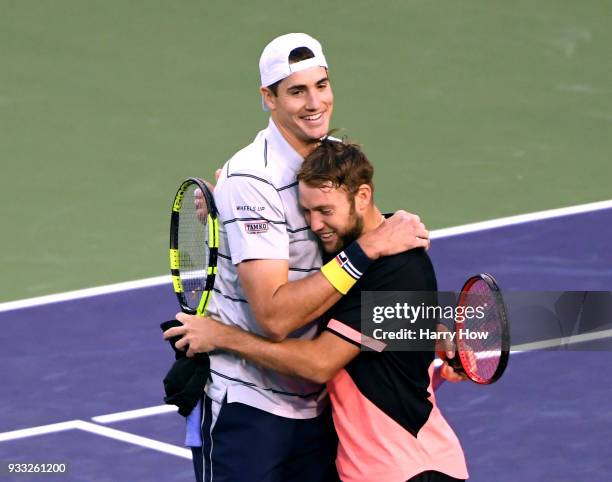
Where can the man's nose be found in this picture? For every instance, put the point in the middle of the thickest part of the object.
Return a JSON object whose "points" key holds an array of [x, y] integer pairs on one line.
{"points": [[316, 224], [313, 100]]}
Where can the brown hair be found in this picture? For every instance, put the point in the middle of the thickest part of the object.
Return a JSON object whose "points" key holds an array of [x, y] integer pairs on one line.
{"points": [[337, 164]]}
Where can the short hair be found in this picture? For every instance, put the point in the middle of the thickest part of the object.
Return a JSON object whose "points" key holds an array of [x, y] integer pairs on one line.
{"points": [[295, 56], [338, 165]]}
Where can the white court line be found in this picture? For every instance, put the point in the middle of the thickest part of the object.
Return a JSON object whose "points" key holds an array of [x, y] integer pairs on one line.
{"points": [[133, 439], [562, 342], [132, 414], [436, 234], [97, 430], [85, 293], [42, 430], [521, 218]]}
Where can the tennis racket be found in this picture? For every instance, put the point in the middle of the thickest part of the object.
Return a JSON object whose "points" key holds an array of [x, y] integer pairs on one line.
{"points": [[194, 241], [482, 335]]}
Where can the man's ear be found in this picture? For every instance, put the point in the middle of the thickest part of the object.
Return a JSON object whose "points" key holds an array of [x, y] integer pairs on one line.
{"points": [[363, 197], [268, 97]]}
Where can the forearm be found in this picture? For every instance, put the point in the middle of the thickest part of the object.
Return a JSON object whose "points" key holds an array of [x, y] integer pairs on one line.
{"points": [[291, 357], [297, 303], [282, 306]]}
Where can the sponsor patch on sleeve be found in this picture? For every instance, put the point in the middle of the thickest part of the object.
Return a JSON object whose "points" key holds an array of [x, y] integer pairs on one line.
{"points": [[256, 227]]}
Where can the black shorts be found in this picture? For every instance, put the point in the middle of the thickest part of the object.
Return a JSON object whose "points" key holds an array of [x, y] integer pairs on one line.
{"points": [[433, 476], [245, 444]]}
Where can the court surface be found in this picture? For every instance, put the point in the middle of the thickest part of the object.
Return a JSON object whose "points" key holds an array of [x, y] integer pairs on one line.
{"points": [[469, 111], [83, 375]]}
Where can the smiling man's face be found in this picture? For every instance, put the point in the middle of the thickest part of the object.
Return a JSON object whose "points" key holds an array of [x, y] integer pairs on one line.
{"points": [[331, 214], [302, 108]]}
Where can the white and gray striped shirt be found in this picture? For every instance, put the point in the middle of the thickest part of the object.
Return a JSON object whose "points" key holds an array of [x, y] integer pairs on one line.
{"points": [[257, 198]]}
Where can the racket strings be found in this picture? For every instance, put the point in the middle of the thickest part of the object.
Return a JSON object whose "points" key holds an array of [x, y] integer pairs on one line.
{"points": [[483, 346], [193, 246]]}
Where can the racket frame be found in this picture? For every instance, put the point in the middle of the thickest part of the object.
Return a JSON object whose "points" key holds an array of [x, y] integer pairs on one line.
{"points": [[461, 359], [212, 237]]}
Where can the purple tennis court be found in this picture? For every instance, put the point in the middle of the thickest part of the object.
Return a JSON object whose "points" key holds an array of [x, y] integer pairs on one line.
{"points": [[78, 374]]}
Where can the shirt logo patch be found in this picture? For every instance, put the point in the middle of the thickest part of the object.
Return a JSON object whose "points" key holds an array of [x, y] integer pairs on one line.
{"points": [[250, 208], [256, 227]]}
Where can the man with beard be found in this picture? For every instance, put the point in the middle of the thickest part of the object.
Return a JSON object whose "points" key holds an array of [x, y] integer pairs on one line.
{"points": [[384, 408]]}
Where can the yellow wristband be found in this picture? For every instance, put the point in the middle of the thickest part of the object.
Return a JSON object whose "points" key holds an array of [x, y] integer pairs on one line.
{"points": [[337, 276]]}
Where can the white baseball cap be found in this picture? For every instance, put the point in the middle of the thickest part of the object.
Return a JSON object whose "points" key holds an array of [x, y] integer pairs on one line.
{"points": [[274, 61]]}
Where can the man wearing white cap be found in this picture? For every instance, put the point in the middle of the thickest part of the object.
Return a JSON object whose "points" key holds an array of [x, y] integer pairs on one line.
{"points": [[259, 425]]}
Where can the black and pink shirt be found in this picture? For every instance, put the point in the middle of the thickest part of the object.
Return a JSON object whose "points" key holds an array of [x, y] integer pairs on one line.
{"points": [[384, 407]]}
